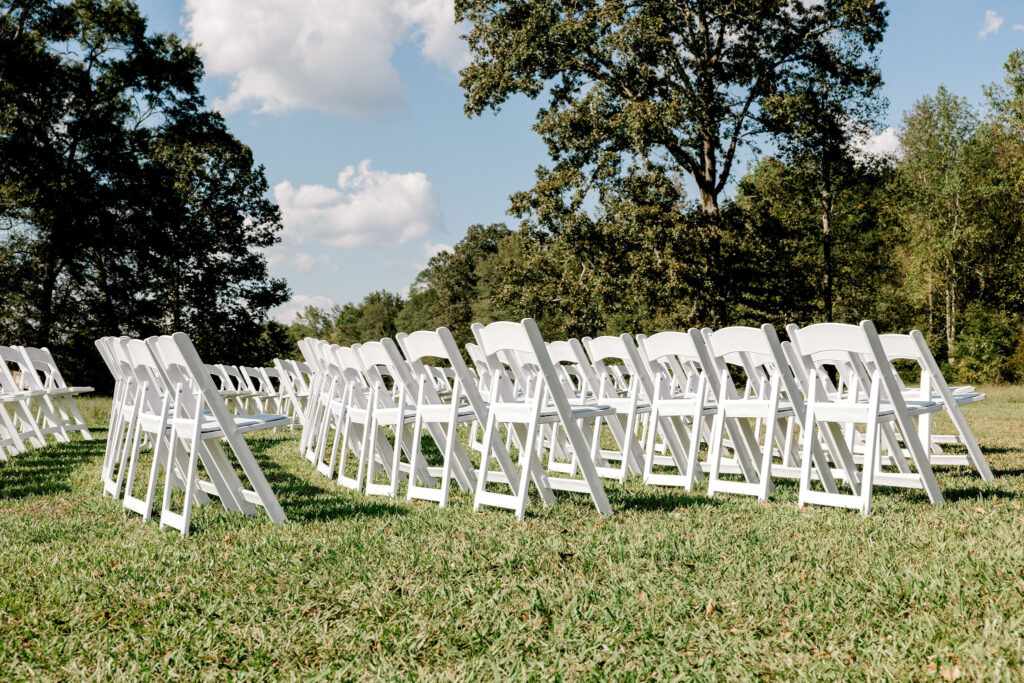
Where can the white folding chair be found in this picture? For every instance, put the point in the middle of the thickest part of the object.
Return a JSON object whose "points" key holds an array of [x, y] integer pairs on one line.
{"points": [[682, 396], [391, 407], [17, 421], [871, 399], [933, 387], [615, 360], [349, 410], [152, 421], [441, 414], [772, 397], [42, 373], [542, 401], [200, 421], [42, 405], [294, 389]]}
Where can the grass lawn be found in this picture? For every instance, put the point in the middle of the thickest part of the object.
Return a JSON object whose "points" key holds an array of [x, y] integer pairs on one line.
{"points": [[673, 585]]}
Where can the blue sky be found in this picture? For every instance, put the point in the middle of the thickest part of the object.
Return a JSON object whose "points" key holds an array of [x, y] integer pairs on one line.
{"points": [[354, 107]]}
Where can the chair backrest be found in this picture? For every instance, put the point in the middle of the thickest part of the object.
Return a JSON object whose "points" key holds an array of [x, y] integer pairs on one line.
{"points": [[568, 365], [255, 380], [148, 372], [760, 354], [235, 376], [524, 338], [839, 346], [914, 347], [440, 343], [306, 348], [625, 354], [675, 361], [511, 360], [40, 363], [103, 346], [191, 386]]}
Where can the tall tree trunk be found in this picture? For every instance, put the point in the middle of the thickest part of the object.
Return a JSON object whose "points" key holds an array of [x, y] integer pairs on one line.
{"points": [[828, 266], [708, 202], [46, 294], [950, 323]]}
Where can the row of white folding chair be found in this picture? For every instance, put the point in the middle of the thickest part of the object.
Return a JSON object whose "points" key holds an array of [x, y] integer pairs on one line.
{"points": [[932, 386], [528, 396], [22, 411], [773, 398], [355, 401], [35, 400], [165, 396], [295, 377], [871, 395], [359, 404], [932, 391]]}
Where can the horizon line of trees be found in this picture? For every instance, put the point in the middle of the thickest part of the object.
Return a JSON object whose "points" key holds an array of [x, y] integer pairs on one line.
{"points": [[128, 207]]}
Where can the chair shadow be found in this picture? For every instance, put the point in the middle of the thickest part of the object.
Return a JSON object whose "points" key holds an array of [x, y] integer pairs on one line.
{"points": [[47, 470], [656, 499], [983, 492], [304, 501]]}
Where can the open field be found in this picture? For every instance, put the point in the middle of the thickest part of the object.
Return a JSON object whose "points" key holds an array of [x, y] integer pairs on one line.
{"points": [[673, 585]]}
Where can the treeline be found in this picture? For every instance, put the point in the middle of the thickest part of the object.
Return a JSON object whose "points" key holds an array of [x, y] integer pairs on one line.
{"points": [[128, 207], [930, 238]]}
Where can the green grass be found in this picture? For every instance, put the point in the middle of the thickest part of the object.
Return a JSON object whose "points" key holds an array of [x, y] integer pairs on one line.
{"points": [[673, 585]]}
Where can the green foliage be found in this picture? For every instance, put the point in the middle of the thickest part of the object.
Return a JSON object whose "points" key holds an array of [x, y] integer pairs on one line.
{"points": [[457, 287], [126, 206], [985, 345]]}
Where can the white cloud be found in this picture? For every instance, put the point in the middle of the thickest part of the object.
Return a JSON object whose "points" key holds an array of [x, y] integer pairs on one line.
{"points": [[367, 208], [285, 313], [884, 144], [328, 55], [300, 260], [1018, 27], [991, 25]]}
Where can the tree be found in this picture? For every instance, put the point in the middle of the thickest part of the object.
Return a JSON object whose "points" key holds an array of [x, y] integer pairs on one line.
{"points": [[779, 248], [128, 207], [637, 87], [456, 288], [832, 107], [941, 164], [208, 224]]}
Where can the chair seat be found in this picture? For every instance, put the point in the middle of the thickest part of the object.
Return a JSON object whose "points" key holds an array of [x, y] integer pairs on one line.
{"points": [[962, 397], [624, 404], [522, 412], [22, 395], [440, 412], [683, 405], [757, 407], [845, 411], [210, 429]]}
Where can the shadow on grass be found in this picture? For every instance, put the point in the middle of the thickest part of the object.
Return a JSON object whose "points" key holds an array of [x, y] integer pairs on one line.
{"points": [[656, 499], [47, 470], [1007, 472], [981, 492], [304, 501]]}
